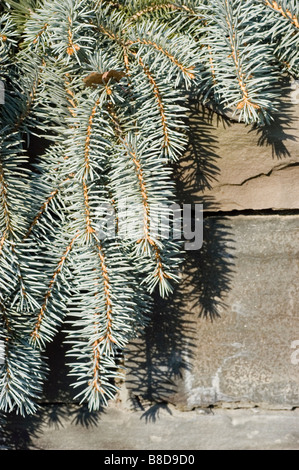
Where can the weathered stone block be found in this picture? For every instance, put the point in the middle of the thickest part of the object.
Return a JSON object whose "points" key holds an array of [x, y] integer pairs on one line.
{"points": [[230, 334], [161, 427], [243, 167]]}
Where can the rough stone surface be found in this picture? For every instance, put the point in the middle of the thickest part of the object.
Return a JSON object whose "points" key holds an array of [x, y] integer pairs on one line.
{"points": [[230, 334], [241, 167], [156, 428]]}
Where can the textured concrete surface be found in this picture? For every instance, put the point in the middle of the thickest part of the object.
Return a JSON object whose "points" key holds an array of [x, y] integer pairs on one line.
{"points": [[161, 427], [230, 334], [242, 167]]}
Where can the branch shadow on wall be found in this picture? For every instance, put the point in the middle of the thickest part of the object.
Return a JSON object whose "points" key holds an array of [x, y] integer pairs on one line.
{"points": [[157, 361], [19, 433], [284, 124]]}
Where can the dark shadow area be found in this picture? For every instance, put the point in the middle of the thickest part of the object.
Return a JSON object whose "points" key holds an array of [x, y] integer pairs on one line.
{"points": [[153, 413], [283, 126], [278, 132], [36, 147], [18, 433], [208, 271], [57, 388], [157, 359], [197, 169], [82, 416]]}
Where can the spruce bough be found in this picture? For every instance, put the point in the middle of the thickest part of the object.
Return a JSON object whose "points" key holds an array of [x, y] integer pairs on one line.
{"points": [[104, 83]]}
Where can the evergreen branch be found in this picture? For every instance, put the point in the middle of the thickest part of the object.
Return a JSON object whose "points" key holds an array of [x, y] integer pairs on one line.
{"points": [[19, 272], [36, 333], [89, 228], [2, 241], [233, 40], [46, 204], [13, 187], [111, 3], [97, 382], [28, 105], [72, 48], [161, 5], [229, 34], [151, 8], [104, 82], [87, 138], [21, 11], [164, 124], [286, 13], [108, 302], [283, 34], [11, 223], [139, 173], [147, 246], [6, 320], [8, 36], [159, 102], [21, 378], [99, 369], [126, 61], [146, 241], [110, 34], [70, 96], [103, 318], [187, 71], [143, 190], [118, 131], [211, 62], [4, 202], [41, 212], [40, 33], [86, 171]]}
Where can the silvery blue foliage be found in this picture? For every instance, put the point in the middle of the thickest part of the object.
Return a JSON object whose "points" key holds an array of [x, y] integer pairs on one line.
{"points": [[104, 83]]}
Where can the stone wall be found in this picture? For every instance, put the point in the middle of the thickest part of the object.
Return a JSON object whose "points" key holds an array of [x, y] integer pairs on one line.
{"points": [[230, 334], [240, 167]]}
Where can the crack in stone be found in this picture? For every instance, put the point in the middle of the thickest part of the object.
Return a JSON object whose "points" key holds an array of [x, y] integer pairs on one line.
{"points": [[273, 170]]}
